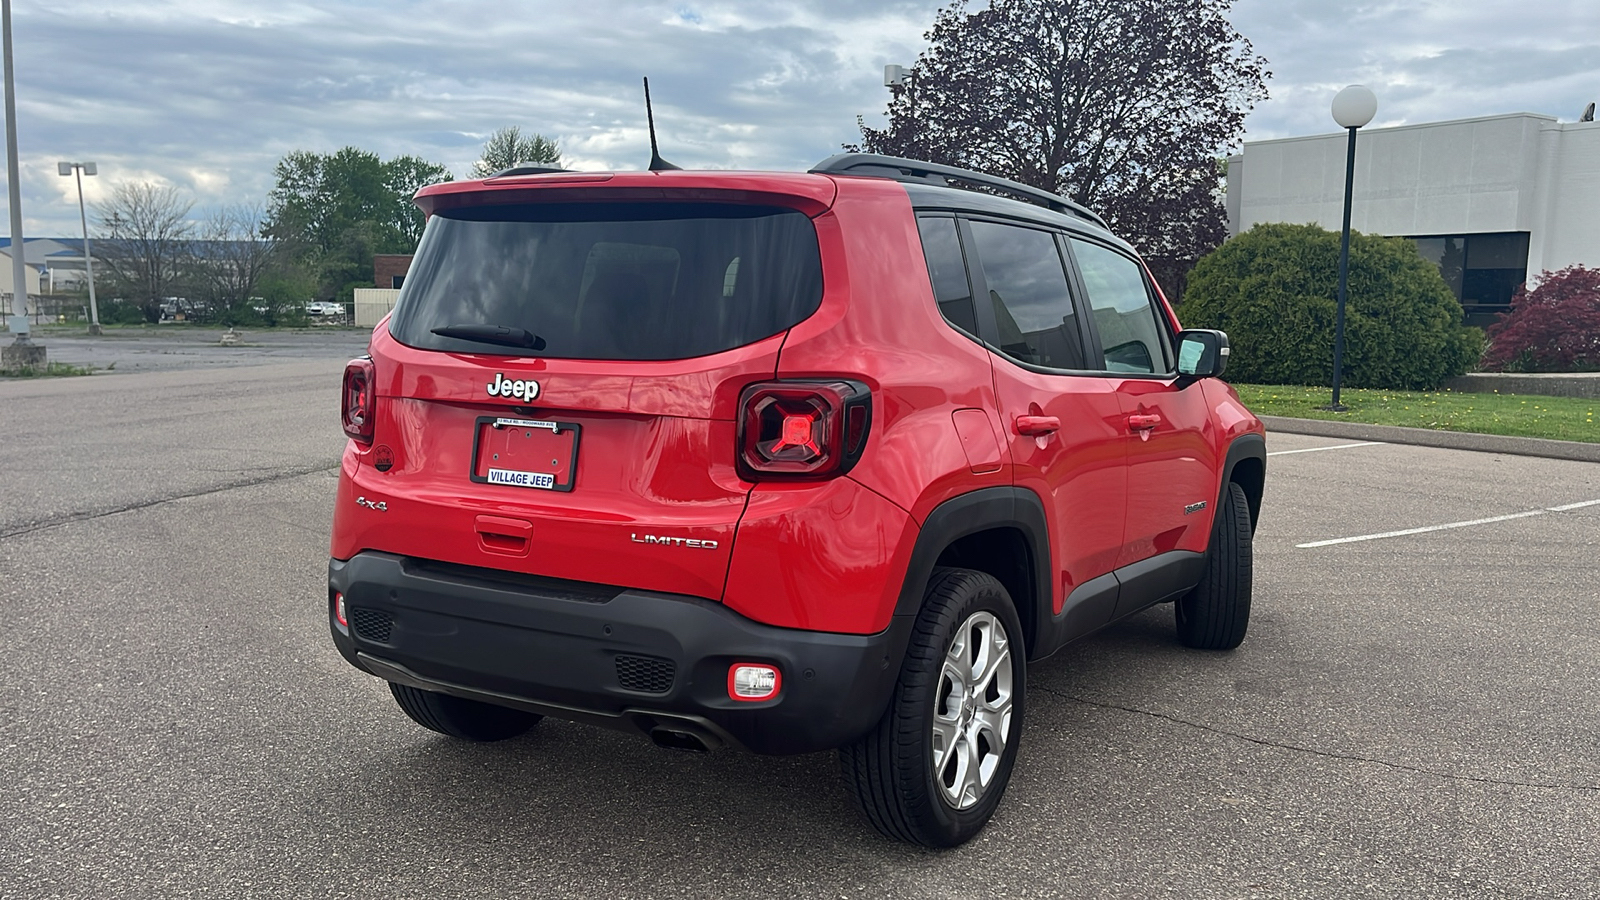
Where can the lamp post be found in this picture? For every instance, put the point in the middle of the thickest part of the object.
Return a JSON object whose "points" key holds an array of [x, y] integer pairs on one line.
{"points": [[898, 79], [1353, 107], [20, 353], [81, 169]]}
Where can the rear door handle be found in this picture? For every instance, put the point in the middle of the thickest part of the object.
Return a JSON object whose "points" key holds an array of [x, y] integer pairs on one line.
{"points": [[1036, 426], [1143, 422]]}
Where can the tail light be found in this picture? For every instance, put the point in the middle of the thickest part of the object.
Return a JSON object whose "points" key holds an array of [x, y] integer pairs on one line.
{"points": [[356, 405], [802, 429]]}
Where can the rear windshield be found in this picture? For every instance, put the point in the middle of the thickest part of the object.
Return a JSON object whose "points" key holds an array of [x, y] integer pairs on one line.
{"points": [[612, 280]]}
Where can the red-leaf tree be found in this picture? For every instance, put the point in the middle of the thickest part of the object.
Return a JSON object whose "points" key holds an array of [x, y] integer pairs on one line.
{"points": [[1122, 105], [1553, 328]]}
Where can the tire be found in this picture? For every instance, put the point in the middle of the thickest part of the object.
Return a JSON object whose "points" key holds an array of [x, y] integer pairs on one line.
{"points": [[907, 775], [457, 717], [1215, 615]]}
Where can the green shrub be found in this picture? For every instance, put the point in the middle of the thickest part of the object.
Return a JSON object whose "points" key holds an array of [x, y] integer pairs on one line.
{"points": [[120, 312], [1274, 288]]}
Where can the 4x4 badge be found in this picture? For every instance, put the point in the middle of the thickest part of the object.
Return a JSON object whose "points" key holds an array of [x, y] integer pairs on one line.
{"points": [[506, 387]]}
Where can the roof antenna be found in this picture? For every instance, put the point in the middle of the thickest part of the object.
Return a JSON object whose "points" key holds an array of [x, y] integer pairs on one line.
{"points": [[657, 164]]}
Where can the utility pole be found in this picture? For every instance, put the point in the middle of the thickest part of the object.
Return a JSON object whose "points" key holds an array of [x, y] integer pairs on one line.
{"points": [[22, 353]]}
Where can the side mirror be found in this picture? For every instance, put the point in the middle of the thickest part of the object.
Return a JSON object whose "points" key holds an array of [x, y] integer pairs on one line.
{"points": [[1202, 353]]}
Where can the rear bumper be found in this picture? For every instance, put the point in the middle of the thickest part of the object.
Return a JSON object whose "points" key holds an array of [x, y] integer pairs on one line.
{"points": [[635, 661]]}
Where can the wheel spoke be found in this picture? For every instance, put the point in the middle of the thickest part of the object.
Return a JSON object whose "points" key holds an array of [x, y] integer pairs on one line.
{"points": [[946, 734], [972, 781]]}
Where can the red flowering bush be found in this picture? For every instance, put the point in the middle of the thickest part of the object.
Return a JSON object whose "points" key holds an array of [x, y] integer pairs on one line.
{"points": [[1553, 328]]}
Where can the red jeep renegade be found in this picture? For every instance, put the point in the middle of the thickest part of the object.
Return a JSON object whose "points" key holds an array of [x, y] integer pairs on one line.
{"points": [[785, 462]]}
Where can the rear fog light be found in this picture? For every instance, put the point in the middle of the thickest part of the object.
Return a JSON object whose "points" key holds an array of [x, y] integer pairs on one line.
{"points": [[753, 681], [338, 610]]}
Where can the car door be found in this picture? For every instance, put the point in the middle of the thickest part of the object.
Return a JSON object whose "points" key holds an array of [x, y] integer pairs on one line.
{"points": [[1064, 426], [1171, 457]]}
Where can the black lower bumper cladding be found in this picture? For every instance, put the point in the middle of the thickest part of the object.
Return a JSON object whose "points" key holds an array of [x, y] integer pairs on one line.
{"points": [[633, 660]]}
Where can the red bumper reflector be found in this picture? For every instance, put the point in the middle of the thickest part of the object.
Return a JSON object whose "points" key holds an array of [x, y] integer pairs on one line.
{"points": [[338, 610]]}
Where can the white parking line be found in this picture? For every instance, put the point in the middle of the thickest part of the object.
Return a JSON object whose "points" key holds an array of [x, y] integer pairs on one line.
{"points": [[1334, 447], [1449, 525]]}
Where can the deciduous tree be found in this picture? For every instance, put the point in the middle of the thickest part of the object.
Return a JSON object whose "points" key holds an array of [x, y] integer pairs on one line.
{"points": [[144, 242], [1121, 105], [507, 147], [1553, 328], [332, 212]]}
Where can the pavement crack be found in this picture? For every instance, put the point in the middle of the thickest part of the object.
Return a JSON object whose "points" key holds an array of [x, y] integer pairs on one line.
{"points": [[283, 475], [1327, 754]]}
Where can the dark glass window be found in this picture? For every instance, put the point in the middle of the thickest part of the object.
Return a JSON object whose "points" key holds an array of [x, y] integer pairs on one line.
{"points": [[1028, 289], [1483, 271], [612, 280], [947, 269], [1130, 334]]}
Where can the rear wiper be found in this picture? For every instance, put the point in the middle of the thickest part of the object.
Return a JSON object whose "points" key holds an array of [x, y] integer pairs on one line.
{"points": [[493, 334]]}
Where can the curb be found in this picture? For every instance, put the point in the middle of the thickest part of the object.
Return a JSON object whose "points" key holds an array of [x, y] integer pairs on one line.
{"points": [[1427, 437]]}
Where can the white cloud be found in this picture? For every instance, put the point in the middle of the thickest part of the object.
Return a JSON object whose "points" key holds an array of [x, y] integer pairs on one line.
{"points": [[207, 95]]}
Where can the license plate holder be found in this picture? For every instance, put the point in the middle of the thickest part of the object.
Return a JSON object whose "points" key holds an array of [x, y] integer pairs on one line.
{"points": [[525, 453]]}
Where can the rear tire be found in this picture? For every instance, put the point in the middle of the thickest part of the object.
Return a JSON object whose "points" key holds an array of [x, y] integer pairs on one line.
{"points": [[1216, 614], [934, 769], [457, 717]]}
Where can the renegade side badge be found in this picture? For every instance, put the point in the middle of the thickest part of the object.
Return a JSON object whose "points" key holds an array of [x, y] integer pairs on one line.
{"points": [[1194, 507]]}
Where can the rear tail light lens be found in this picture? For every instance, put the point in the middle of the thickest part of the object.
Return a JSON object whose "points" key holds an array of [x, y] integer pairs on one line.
{"points": [[753, 681], [802, 429], [357, 405]]}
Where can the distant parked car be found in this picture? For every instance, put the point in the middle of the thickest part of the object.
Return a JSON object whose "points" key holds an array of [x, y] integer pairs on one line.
{"points": [[324, 308]]}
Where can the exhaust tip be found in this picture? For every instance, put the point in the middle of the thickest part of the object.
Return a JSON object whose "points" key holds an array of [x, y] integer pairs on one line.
{"points": [[673, 739]]}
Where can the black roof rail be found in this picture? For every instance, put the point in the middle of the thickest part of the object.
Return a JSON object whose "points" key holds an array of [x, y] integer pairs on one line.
{"points": [[915, 171], [526, 169]]}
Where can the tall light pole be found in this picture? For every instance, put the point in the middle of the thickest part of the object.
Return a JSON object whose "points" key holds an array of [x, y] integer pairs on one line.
{"points": [[898, 79], [81, 169], [20, 353], [1353, 107]]}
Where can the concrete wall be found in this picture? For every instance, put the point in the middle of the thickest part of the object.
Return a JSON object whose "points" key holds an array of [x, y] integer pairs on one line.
{"points": [[31, 276], [1519, 172], [372, 304]]}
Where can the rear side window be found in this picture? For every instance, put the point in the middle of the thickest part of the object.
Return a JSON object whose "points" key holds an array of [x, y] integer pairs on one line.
{"points": [[610, 280], [1132, 339], [1028, 289], [947, 269]]}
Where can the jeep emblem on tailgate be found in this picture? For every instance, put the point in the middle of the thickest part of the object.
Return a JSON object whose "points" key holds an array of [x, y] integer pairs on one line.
{"points": [[505, 387]]}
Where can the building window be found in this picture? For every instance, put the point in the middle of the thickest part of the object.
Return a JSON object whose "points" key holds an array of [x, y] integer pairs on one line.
{"points": [[396, 281], [1483, 271]]}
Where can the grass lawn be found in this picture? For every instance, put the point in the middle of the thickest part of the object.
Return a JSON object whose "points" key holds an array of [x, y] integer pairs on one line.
{"points": [[50, 370], [1519, 415]]}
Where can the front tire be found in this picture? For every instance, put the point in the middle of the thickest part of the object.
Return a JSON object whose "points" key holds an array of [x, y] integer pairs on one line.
{"points": [[1216, 614], [460, 718], [934, 769]]}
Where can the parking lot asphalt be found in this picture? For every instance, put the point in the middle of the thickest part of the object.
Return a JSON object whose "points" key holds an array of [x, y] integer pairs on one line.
{"points": [[1410, 716]]}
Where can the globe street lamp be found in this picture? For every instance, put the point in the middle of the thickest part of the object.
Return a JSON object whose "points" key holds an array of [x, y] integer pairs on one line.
{"points": [[81, 169], [1353, 107]]}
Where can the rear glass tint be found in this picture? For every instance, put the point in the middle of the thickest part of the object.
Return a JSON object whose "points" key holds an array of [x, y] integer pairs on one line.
{"points": [[612, 280]]}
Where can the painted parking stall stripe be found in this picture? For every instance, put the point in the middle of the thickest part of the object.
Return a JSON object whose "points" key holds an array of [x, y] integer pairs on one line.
{"points": [[1319, 449], [1449, 525]]}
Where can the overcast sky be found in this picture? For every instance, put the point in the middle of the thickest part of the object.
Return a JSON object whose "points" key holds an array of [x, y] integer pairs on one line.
{"points": [[207, 95]]}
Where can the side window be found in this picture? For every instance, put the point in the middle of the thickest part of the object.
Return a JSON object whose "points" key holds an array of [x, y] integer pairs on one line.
{"points": [[1130, 335], [1028, 288], [947, 269]]}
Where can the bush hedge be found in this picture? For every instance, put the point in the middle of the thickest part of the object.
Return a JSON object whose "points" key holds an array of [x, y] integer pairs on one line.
{"points": [[1274, 288], [1553, 328]]}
